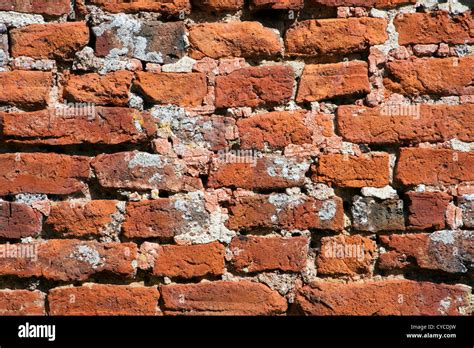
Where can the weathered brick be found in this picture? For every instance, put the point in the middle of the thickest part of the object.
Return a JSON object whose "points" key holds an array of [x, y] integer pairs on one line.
{"points": [[434, 166], [213, 132], [109, 89], [42, 173], [98, 299], [346, 255], [18, 220], [153, 41], [388, 297], [45, 7], [438, 76], [466, 203], [83, 218], [267, 172], [449, 251], [255, 86], [363, 3], [222, 298], [219, 5], [21, 302], [65, 126], [189, 261], [233, 39], [168, 7], [353, 171], [25, 87], [166, 217], [144, 171], [67, 260], [427, 209], [277, 4], [274, 130], [375, 216], [325, 81], [161, 88], [434, 28], [51, 41], [406, 123], [257, 254], [335, 36], [286, 212]]}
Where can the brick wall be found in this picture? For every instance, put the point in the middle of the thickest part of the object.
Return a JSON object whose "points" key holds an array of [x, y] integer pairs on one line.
{"points": [[236, 157]]}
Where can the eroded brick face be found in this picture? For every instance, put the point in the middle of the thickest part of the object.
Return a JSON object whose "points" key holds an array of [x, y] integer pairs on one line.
{"points": [[437, 76], [18, 220], [56, 41], [239, 39], [231, 157], [25, 88], [326, 81], [421, 298], [255, 86], [95, 299], [310, 38], [102, 125], [46, 7]]}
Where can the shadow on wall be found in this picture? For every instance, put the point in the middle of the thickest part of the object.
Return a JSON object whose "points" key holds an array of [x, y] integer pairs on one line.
{"points": [[468, 3]]}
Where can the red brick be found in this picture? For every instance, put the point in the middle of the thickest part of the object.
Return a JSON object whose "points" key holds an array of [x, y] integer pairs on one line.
{"points": [[406, 123], [21, 302], [434, 166], [78, 126], [144, 171], [257, 254], [325, 81], [353, 171], [265, 173], [110, 89], [255, 86], [168, 7], [274, 130], [286, 212], [68, 260], [388, 297], [18, 220], [83, 218], [222, 298], [157, 218], [449, 251], [434, 28], [233, 39], [346, 255], [219, 5], [166, 217], [25, 87], [189, 261], [50, 41], [42, 173], [98, 299], [363, 3], [45, 7], [161, 88], [277, 4], [335, 36], [438, 76], [427, 209]]}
